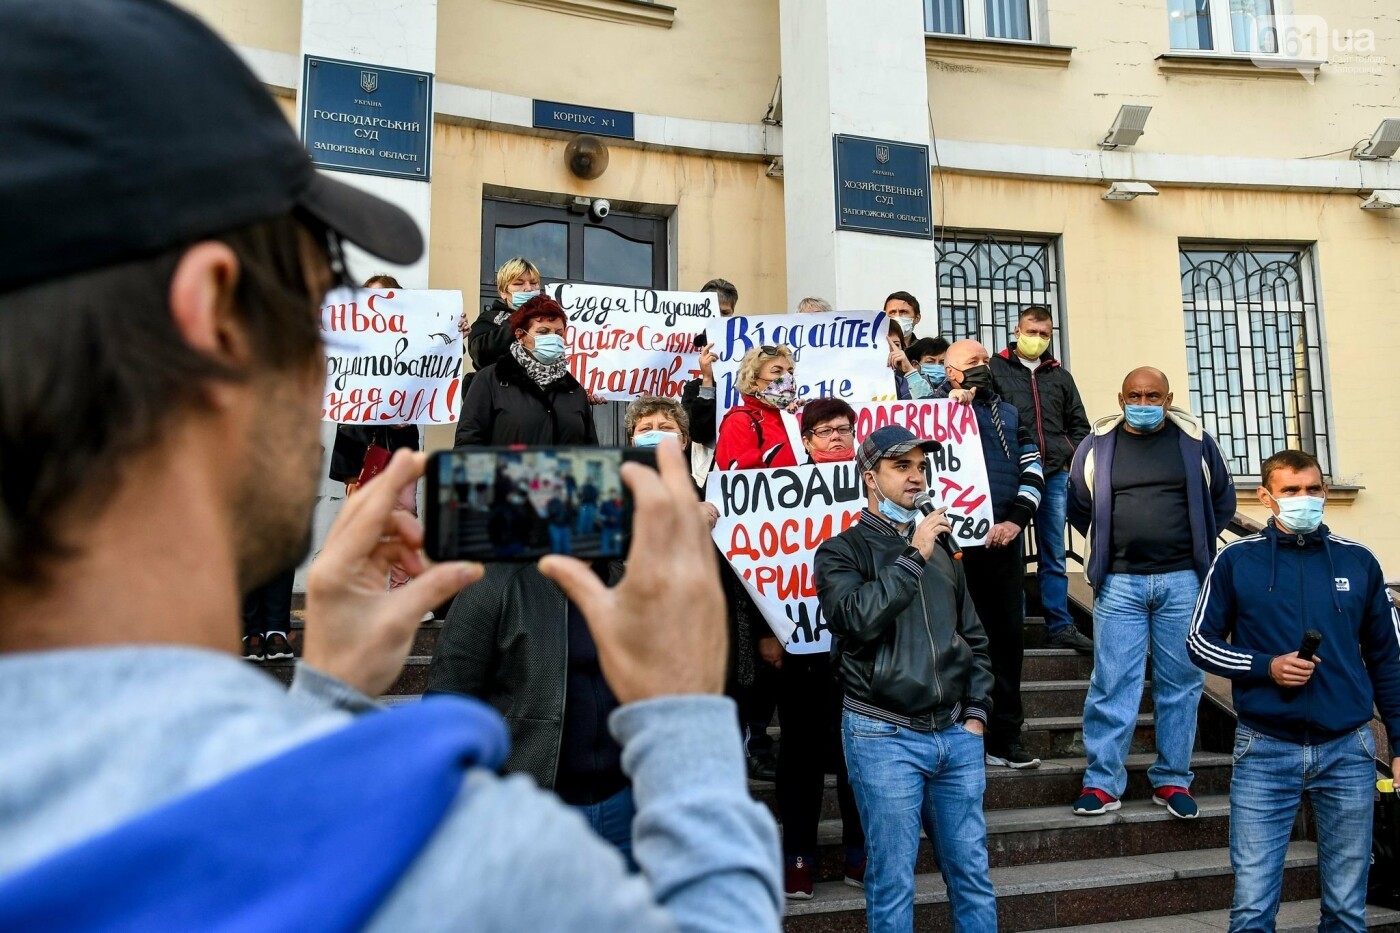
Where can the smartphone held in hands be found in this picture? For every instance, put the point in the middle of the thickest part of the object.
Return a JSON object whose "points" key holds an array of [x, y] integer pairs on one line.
{"points": [[494, 504]]}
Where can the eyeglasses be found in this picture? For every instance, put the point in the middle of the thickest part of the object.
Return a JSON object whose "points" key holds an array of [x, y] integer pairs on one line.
{"points": [[843, 431]]}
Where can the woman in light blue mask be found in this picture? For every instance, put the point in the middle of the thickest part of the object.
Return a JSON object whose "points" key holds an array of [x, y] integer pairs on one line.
{"points": [[528, 396]]}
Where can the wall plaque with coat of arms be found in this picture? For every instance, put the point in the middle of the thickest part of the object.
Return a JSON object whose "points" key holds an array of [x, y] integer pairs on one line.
{"points": [[882, 186], [358, 117]]}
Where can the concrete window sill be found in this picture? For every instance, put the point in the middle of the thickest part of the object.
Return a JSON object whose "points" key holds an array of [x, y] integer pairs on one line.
{"points": [[939, 47], [1237, 66], [631, 12]]}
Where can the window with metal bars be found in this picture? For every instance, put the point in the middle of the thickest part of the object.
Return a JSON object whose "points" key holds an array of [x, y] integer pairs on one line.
{"points": [[986, 279], [1254, 348]]}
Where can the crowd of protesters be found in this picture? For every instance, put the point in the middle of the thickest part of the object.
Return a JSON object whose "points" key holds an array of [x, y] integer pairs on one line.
{"points": [[581, 757]]}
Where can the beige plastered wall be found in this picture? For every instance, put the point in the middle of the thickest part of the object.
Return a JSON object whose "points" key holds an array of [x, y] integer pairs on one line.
{"points": [[260, 24], [718, 61], [1115, 47], [1121, 292]]}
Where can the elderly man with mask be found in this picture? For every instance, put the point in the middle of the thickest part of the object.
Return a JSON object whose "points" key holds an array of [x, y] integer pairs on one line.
{"points": [[1150, 492], [995, 572]]}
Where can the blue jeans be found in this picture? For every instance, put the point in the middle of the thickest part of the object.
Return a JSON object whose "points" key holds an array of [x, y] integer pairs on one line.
{"points": [[1130, 611], [560, 540], [1050, 553], [1271, 776], [904, 779], [587, 520], [612, 820]]}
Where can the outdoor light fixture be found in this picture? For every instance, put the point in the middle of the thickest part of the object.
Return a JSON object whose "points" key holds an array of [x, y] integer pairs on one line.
{"points": [[1383, 144], [1382, 200], [1127, 126], [1127, 190]]}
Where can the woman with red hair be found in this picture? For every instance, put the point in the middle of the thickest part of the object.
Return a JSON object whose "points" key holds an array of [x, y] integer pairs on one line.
{"points": [[527, 396]]}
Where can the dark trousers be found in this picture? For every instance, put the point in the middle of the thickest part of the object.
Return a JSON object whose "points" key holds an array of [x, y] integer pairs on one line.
{"points": [[809, 707], [995, 577], [269, 607], [758, 700]]}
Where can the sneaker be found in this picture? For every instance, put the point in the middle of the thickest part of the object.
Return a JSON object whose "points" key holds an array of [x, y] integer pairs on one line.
{"points": [[1094, 802], [1178, 801], [855, 874], [1070, 637], [277, 646], [252, 647], [427, 617], [1011, 755], [797, 879], [763, 766]]}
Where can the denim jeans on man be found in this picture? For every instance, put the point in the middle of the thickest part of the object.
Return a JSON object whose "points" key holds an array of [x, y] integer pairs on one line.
{"points": [[1132, 611], [904, 779], [1271, 776], [1050, 553], [612, 820]]}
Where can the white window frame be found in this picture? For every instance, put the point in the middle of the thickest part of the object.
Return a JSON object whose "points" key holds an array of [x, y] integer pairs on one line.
{"points": [[1222, 35], [975, 21]]}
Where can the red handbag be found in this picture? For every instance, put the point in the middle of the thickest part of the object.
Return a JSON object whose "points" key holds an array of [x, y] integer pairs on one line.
{"points": [[376, 459]]}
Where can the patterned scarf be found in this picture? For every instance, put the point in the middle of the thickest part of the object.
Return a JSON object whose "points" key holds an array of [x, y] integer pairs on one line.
{"points": [[542, 373]]}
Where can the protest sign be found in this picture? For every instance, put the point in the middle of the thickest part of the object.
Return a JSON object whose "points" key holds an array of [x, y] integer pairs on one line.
{"points": [[393, 356], [771, 523], [628, 342], [840, 354]]}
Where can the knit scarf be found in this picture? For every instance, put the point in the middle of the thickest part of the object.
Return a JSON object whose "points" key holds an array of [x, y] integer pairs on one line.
{"points": [[542, 373]]}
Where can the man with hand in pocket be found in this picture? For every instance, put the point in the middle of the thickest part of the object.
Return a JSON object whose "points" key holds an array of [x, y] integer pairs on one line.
{"points": [[912, 659]]}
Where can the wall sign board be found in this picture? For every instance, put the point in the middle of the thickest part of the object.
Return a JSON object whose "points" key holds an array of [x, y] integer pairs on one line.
{"points": [[367, 118], [882, 187]]}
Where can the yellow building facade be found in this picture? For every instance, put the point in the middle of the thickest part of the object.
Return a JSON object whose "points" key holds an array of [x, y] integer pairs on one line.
{"points": [[1251, 276]]}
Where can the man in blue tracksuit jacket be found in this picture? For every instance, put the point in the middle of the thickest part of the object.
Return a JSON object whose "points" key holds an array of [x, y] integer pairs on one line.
{"points": [[1304, 726]]}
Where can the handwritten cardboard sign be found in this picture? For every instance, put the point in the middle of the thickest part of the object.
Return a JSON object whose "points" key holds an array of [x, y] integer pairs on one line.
{"points": [[629, 342], [393, 356]]}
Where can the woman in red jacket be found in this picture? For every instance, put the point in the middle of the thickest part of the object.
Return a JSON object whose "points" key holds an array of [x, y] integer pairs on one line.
{"points": [[752, 435]]}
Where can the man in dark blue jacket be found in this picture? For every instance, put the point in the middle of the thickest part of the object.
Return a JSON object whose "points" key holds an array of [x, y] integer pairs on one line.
{"points": [[1150, 491], [1304, 726]]}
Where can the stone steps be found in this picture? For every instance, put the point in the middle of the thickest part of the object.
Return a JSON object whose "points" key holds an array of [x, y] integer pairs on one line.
{"points": [[1293, 917]]}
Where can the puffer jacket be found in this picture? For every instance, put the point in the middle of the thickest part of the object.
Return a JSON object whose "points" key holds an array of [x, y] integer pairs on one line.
{"points": [[1049, 404], [906, 639], [505, 406]]}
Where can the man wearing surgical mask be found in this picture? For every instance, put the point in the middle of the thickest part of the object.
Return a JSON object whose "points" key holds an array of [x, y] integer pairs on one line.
{"points": [[902, 309], [1304, 725], [1043, 391], [1150, 491]]}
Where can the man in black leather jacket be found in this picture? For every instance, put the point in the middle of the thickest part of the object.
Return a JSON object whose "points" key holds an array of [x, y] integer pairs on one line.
{"points": [[912, 658]]}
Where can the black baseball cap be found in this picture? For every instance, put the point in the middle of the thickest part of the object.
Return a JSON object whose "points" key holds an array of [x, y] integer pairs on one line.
{"points": [[130, 129], [889, 441]]}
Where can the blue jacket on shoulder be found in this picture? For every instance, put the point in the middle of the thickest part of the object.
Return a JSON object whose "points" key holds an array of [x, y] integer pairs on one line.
{"points": [[1262, 594], [1014, 473], [1210, 492]]}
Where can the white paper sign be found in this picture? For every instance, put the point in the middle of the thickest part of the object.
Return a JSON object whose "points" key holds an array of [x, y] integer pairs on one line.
{"points": [[393, 356]]}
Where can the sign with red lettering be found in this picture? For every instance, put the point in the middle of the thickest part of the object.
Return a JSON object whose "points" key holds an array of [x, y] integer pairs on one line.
{"points": [[771, 523], [393, 356], [628, 342]]}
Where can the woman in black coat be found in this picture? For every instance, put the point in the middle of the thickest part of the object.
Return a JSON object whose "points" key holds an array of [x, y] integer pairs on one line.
{"points": [[527, 396]]}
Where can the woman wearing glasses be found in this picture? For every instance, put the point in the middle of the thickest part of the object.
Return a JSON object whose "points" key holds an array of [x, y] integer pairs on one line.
{"points": [[752, 435]]}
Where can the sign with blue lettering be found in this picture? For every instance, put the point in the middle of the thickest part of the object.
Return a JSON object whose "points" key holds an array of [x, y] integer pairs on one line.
{"points": [[572, 117], [367, 118], [882, 187]]}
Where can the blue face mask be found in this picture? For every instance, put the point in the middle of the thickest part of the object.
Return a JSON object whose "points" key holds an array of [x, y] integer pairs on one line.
{"points": [[1300, 514], [1144, 417], [519, 298], [549, 348], [653, 438], [893, 510], [935, 373]]}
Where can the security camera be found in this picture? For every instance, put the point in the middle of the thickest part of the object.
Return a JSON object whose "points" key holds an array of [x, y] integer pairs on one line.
{"points": [[599, 209]]}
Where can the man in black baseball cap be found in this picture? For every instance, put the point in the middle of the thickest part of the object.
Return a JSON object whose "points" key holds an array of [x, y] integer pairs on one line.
{"points": [[167, 249], [912, 659]]}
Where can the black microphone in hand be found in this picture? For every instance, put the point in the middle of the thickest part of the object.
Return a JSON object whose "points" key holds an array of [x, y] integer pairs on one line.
{"points": [[924, 503], [1311, 639]]}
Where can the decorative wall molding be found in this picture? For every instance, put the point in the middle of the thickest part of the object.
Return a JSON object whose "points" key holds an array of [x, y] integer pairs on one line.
{"points": [[632, 12], [1238, 66], [996, 51]]}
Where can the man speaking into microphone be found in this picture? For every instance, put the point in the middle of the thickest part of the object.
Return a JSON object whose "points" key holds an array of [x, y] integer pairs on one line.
{"points": [[912, 659]]}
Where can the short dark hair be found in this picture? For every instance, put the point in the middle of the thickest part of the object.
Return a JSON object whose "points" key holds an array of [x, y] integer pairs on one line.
{"points": [[1035, 313], [540, 308], [926, 346], [1296, 460], [824, 409], [726, 290], [93, 369], [904, 296], [382, 281]]}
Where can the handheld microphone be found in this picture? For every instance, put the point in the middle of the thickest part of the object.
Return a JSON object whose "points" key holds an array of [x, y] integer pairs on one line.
{"points": [[924, 503], [1311, 639]]}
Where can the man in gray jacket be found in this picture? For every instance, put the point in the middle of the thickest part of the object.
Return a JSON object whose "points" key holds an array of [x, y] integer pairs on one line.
{"points": [[912, 659], [161, 377]]}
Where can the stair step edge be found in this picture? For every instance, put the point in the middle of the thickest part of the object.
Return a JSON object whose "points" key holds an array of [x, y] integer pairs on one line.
{"points": [[1293, 917]]}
